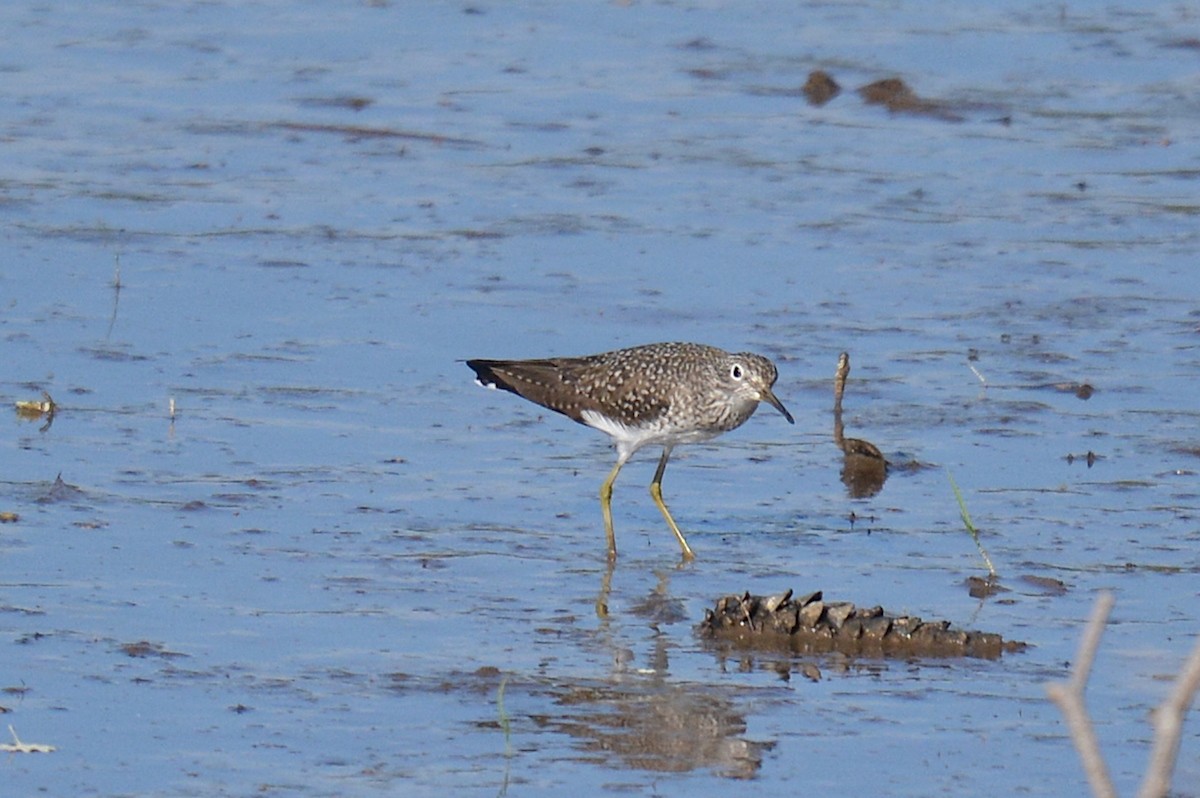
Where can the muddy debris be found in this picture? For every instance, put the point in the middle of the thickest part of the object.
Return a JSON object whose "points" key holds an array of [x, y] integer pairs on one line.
{"points": [[1048, 585], [895, 95], [35, 411], [1090, 458], [144, 648], [892, 93], [820, 88], [809, 624], [984, 587]]}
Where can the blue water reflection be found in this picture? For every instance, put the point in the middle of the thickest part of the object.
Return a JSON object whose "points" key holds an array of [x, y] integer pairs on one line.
{"points": [[294, 220]]}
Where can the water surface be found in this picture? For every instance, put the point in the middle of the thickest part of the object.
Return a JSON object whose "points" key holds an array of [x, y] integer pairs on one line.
{"points": [[342, 569]]}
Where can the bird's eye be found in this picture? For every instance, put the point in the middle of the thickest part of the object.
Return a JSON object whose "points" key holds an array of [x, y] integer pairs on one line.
{"points": [[736, 372]]}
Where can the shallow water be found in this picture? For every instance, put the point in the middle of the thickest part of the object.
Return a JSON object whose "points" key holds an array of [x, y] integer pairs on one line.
{"points": [[342, 569]]}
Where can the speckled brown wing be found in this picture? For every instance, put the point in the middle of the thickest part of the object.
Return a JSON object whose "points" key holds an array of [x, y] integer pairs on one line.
{"points": [[570, 386], [620, 388]]}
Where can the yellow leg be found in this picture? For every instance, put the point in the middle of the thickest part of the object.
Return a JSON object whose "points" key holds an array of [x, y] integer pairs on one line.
{"points": [[656, 494], [606, 507], [605, 590]]}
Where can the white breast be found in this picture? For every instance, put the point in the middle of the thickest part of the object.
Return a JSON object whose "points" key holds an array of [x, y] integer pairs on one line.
{"points": [[628, 439]]}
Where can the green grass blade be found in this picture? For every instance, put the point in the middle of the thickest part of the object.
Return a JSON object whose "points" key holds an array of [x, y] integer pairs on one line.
{"points": [[966, 519]]}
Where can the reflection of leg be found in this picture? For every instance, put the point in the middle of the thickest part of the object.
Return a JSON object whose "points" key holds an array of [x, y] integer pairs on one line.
{"points": [[606, 505], [605, 589], [656, 493]]}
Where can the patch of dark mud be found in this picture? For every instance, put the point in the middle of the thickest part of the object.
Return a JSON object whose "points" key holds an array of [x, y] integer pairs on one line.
{"points": [[892, 93], [819, 89], [809, 624], [361, 132], [1046, 585], [895, 95], [709, 73], [145, 648], [346, 101], [1088, 457], [112, 354]]}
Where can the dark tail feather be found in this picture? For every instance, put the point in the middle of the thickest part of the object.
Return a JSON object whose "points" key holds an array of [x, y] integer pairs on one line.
{"points": [[534, 380], [486, 376]]}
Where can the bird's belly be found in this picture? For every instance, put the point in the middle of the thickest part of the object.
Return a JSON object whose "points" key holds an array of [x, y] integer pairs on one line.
{"points": [[630, 437]]}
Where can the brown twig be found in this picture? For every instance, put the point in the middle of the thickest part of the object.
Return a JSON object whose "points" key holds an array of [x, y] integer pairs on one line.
{"points": [[1068, 696]]}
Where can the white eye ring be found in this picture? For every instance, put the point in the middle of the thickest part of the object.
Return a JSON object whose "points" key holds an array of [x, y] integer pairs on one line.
{"points": [[736, 372]]}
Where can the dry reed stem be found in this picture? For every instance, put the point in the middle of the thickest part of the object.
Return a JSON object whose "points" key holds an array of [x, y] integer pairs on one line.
{"points": [[1167, 718], [1168, 727], [1068, 696]]}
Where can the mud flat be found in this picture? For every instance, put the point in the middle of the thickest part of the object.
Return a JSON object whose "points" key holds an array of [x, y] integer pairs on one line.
{"points": [[809, 624]]}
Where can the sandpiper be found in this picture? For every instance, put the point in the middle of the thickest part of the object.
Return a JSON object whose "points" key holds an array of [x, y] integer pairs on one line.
{"points": [[662, 394]]}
